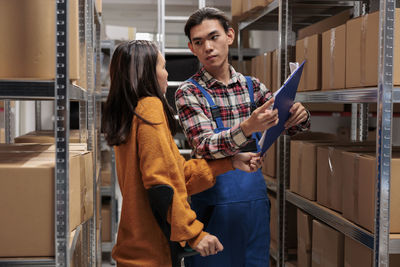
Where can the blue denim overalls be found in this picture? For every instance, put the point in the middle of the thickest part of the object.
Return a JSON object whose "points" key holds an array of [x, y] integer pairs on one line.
{"points": [[236, 210]]}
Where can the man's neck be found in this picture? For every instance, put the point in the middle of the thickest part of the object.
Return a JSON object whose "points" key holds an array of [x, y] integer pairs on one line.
{"points": [[221, 74]]}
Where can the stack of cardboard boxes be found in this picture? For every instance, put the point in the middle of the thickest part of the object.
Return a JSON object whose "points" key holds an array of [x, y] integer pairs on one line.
{"points": [[27, 196]]}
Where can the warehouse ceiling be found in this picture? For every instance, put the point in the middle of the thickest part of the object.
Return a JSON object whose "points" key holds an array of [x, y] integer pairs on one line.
{"points": [[142, 14]]}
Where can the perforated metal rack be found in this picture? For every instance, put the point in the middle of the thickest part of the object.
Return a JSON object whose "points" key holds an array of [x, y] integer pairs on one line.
{"points": [[61, 91], [286, 16]]}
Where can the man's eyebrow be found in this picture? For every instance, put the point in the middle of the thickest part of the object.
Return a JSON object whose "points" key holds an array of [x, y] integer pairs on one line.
{"points": [[208, 35]]}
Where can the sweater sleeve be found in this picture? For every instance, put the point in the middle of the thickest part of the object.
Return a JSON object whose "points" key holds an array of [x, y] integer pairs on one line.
{"points": [[157, 166], [200, 174]]}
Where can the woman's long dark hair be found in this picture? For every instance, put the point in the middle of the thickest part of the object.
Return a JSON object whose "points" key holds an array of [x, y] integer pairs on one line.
{"points": [[133, 76]]}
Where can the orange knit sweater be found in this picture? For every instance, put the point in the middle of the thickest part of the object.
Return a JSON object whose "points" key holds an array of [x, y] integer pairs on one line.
{"points": [[151, 157]]}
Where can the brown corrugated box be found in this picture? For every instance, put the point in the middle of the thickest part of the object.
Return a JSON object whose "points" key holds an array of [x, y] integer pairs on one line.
{"points": [[362, 51], [27, 203], [2, 135], [334, 58], [269, 163], [304, 239], [106, 223], [330, 180], [34, 24], [45, 136], [309, 49], [247, 65], [236, 8], [326, 107], [105, 177], [261, 68], [273, 221], [106, 160], [99, 6], [358, 255], [303, 167], [77, 259], [327, 246], [359, 171], [325, 24], [251, 5], [291, 219]]}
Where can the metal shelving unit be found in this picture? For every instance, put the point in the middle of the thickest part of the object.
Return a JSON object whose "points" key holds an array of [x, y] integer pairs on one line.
{"points": [[107, 46], [287, 16], [61, 91]]}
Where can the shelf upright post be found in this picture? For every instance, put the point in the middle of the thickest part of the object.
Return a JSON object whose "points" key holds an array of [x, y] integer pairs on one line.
{"points": [[161, 25], [8, 122], [384, 133], [61, 128], [38, 115], [284, 55], [92, 142]]}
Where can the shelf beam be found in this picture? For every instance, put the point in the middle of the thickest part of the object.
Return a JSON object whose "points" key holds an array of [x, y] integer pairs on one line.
{"points": [[359, 95], [332, 219], [36, 90]]}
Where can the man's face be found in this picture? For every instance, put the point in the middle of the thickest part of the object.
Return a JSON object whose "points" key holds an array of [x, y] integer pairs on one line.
{"points": [[210, 43]]}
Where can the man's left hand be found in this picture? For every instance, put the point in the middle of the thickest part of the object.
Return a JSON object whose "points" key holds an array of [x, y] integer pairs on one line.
{"points": [[299, 115]]}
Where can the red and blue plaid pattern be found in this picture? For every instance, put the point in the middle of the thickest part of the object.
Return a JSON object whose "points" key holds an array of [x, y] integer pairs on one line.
{"points": [[234, 105]]}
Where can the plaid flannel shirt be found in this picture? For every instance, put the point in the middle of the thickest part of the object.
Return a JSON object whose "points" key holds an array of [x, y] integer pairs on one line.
{"points": [[235, 106]]}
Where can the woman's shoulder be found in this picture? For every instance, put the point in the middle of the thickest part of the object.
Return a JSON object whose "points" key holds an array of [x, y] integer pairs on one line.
{"points": [[150, 108]]}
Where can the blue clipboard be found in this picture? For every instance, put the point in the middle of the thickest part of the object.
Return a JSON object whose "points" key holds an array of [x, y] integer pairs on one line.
{"points": [[284, 99]]}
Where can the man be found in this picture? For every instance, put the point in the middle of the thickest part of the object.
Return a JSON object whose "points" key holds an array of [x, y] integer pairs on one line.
{"points": [[221, 112]]}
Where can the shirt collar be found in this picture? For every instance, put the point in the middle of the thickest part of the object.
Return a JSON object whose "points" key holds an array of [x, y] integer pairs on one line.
{"points": [[209, 80]]}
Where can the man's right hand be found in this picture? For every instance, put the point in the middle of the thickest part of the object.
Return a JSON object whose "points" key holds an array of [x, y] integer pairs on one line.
{"points": [[209, 245], [261, 119]]}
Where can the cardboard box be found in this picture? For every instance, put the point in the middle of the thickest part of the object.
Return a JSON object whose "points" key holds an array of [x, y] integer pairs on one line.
{"points": [[303, 167], [274, 79], [325, 24], [77, 255], [246, 64], [106, 223], [358, 255], [325, 107], [334, 58], [2, 135], [45, 137], [309, 49], [253, 5], [269, 164], [291, 219], [106, 159], [330, 180], [27, 198], [362, 51], [34, 24], [236, 8], [261, 68], [359, 170], [304, 239], [273, 221], [105, 176], [99, 6], [327, 246]]}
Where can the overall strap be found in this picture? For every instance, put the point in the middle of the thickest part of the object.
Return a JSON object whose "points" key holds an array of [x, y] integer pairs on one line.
{"points": [[214, 108], [251, 92], [253, 103]]}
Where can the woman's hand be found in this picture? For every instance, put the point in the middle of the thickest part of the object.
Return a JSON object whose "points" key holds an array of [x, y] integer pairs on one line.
{"points": [[248, 162], [209, 245]]}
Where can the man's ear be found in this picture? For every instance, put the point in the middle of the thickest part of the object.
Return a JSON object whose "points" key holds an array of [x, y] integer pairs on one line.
{"points": [[190, 45], [231, 35]]}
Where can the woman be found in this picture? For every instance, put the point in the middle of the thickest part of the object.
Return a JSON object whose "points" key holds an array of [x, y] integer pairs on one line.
{"points": [[139, 123]]}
